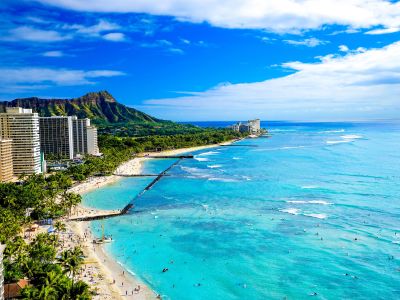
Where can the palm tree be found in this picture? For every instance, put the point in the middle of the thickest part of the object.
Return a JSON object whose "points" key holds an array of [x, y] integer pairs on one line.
{"points": [[60, 226], [80, 291], [71, 261]]}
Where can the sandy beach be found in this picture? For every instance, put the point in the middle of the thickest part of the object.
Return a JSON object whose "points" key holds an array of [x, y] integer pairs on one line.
{"points": [[131, 167], [109, 279], [183, 150], [102, 272]]}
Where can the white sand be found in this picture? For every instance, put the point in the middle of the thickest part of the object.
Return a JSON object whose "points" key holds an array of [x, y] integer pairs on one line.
{"points": [[131, 167], [100, 270]]}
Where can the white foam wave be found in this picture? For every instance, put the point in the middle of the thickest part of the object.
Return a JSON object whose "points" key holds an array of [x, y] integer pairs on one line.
{"points": [[291, 147], [338, 142], [308, 187], [396, 242], [322, 202], [209, 153], [236, 158], [351, 137], [222, 179], [333, 131], [318, 216], [214, 166], [201, 158], [292, 211]]}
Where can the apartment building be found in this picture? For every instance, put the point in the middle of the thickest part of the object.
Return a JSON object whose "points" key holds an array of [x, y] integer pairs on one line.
{"points": [[6, 161], [56, 137], [92, 145], [85, 137], [22, 127]]}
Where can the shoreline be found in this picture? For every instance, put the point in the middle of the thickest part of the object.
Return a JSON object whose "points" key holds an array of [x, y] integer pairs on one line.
{"points": [[108, 267], [110, 279]]}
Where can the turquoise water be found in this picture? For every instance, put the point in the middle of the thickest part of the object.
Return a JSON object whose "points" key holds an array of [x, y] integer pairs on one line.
{"points": [[314, 209]]}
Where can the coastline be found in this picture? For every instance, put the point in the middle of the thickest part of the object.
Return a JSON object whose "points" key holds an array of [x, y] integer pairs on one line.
{"points": [[103, 273], [98, 260]]}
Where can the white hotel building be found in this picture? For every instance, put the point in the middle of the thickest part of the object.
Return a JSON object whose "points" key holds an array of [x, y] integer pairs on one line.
{"points": [[22, 127]]}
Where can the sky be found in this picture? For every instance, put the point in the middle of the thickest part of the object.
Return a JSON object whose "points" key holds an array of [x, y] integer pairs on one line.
{"points": [[204, 60]]}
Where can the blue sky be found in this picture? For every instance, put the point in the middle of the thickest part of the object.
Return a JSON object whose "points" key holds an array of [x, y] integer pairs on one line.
{"points": [[209, 60]]}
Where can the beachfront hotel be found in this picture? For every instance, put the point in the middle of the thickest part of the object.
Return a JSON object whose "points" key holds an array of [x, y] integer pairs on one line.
{"points": [[22, 127], [251, 127], [6, 162], [84, 136], [92, 145], [56, 137], [67, 137]]}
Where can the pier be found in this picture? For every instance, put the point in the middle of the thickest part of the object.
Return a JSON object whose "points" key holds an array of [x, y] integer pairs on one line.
{"points": [[130, 205]]}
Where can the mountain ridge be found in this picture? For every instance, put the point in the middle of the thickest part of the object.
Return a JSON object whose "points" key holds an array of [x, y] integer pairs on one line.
{"points": [[101, 107]]}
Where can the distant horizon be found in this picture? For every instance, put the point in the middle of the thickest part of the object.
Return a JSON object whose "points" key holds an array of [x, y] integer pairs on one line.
{"points": [[296, 121]]}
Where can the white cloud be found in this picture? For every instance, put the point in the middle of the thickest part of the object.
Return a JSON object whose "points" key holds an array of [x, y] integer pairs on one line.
{"points": [[357, 85], [114, 37], [176, 50], [278, 16], [35, 78], [61, 32], [343, 48], [93, 30], [54, 53], [311, 42], [383, 31], [30, 34]]}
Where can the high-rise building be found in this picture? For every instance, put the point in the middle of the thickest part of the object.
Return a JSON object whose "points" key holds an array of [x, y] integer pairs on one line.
{"points": [[22, 126], [6, 161], [92, 146], [80, 135], [85, 137], [56, 137], [254, 126]]}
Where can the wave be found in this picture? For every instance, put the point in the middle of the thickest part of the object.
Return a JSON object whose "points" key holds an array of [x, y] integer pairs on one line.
{"points": [[214, 166], [236, 158], [338, 142], [222, 179], [322, 202], [201, 158], [291, 147], [209, 153], [333, 131], [292, 211], [308, 187], [351, 136], [318, 216], [296, 211], [347, 138]]}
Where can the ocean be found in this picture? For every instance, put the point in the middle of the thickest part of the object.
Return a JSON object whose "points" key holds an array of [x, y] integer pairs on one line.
{"points": [[312, 211]]}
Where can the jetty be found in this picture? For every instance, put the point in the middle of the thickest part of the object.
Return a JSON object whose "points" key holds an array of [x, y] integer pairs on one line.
{"points": [[130, 205]]}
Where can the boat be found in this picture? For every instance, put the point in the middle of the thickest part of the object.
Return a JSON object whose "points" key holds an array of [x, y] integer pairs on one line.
{"points": [[104, 238]]}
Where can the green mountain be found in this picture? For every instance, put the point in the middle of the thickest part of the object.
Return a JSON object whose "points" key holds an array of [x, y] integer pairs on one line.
{"points": [[101, 107]]}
